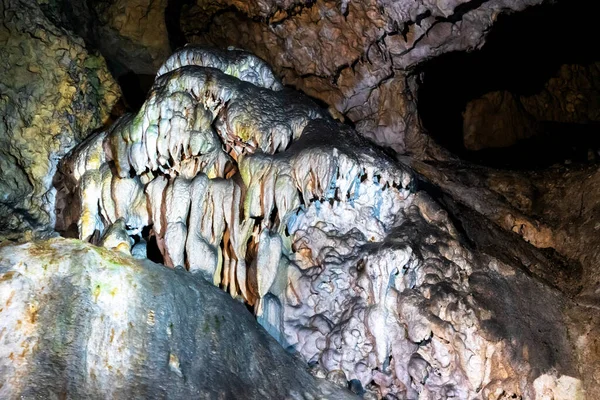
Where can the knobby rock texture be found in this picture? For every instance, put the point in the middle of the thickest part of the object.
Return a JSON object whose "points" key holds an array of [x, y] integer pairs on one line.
{"points": [[53, 92], [362, 57]]}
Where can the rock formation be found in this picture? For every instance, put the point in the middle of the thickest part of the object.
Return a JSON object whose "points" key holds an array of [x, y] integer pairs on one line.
{"points": [[394, 271], [84, 322], [501, 119], [132, 35], [262, 194], [354, 55], [53, 93]]}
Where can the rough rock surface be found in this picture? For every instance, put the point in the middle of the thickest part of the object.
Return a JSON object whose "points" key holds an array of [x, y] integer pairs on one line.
{"points": [[354, 55], [545, 220], [555, 210], [572, 95], [79, 321], [340, 250], [52, 94], [497, 119], [342, 258], [131, 34]]}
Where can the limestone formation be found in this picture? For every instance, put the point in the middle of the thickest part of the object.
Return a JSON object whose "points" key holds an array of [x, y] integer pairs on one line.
{"points": [[396, 272], [239, 64], [53, 93], [344, 260]]}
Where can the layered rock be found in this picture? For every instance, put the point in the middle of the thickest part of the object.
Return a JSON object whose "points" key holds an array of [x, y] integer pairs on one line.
{"points": [[53, 94]]}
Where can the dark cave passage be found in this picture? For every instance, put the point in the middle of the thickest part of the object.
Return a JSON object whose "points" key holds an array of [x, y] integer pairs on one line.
{"points": [[135, 88], [522, 53]]}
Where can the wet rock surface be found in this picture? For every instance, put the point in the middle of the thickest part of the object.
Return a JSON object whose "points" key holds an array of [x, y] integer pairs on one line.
{"points": [[54, 92]]}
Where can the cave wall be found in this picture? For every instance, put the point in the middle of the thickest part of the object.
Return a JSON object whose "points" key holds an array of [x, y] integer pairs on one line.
{"points": [[54, 92], [353, 55], [529, 79], [131, 35]]}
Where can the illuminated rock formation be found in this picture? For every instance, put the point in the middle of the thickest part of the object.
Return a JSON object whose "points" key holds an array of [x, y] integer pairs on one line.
{"points": [[259, 192], [53, 93]]}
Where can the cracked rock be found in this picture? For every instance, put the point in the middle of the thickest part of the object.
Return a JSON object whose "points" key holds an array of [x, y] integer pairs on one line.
{"points": [[356, 56]]}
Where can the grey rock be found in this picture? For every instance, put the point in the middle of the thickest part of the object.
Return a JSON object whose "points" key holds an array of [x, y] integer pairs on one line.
{"points": [[80, 321]]}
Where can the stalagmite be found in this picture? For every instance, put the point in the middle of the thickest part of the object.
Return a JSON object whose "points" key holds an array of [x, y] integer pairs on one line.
{"points": [[267, 260], [89, 222], [130, 202], [201, 258], [116, 238]]}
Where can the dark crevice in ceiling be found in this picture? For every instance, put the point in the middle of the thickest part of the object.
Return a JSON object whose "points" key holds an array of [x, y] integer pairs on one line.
{"points": [[135, 87], [522, 52], [464, 8], [173, 22]]}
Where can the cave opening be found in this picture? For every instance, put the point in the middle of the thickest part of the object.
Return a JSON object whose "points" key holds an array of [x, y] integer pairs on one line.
{"points": [[527, 99], [135, 88]]}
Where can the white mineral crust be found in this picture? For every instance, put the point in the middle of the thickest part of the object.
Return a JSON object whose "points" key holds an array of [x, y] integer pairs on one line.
{"points": [[251, 186]]}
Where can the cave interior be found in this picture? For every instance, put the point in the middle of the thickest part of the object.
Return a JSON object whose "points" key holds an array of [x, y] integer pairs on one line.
{"points": [[299, 199]]}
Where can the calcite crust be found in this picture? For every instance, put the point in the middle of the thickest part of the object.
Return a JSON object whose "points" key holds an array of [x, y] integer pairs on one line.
{"points": [[258, 191]]}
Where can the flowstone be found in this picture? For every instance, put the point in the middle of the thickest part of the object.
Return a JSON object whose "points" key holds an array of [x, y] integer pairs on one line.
{"points": [[254, 188]]}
